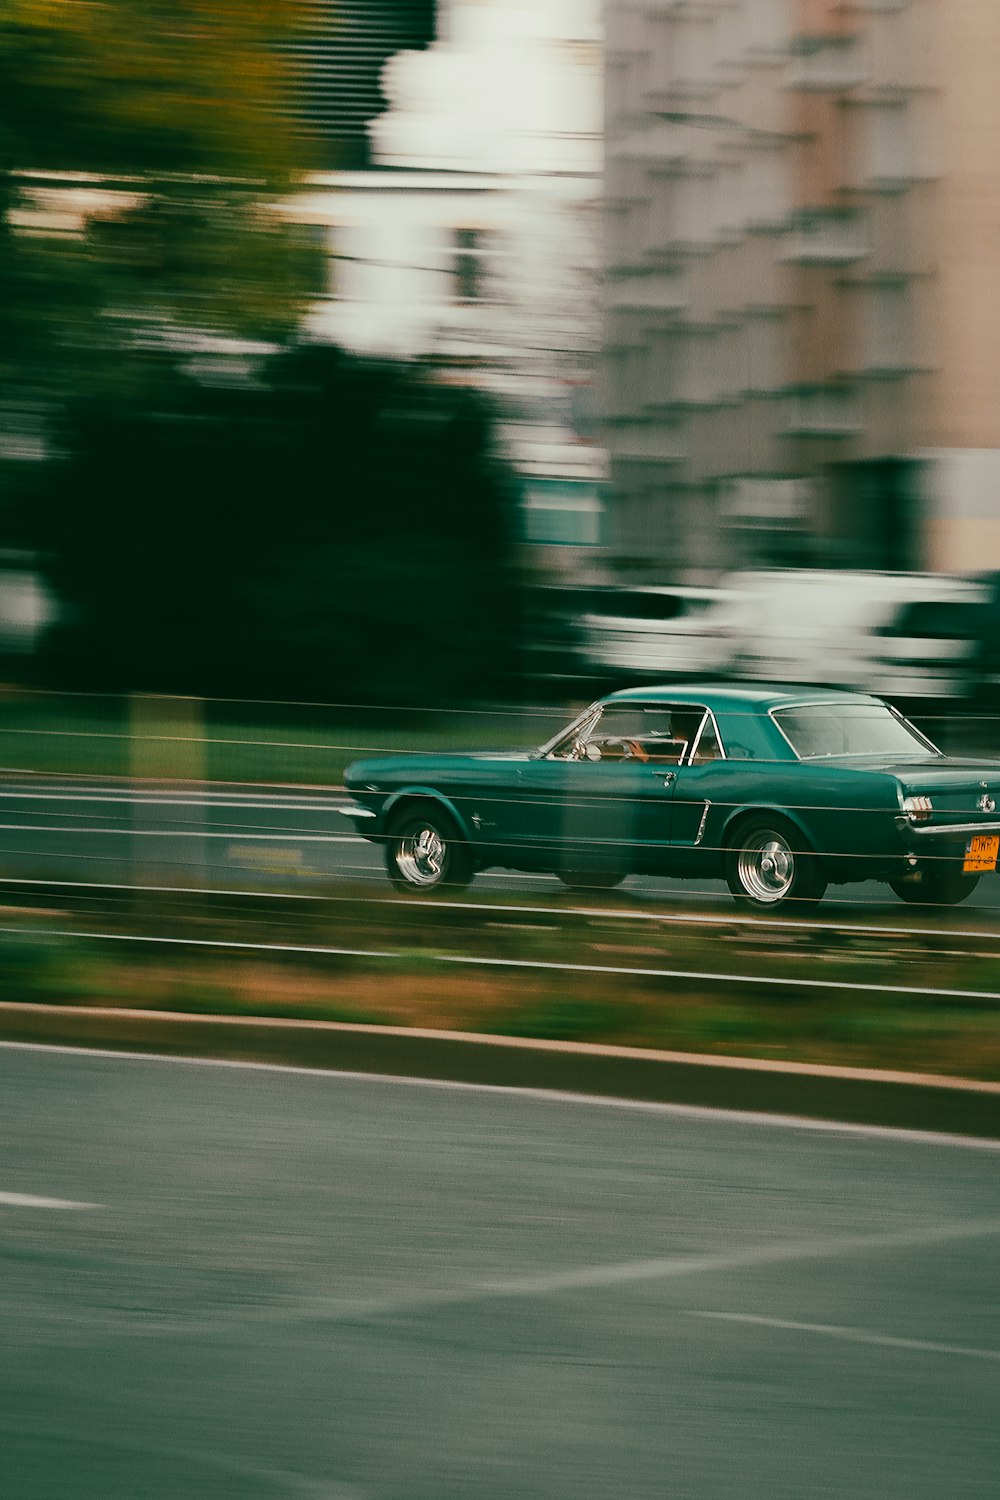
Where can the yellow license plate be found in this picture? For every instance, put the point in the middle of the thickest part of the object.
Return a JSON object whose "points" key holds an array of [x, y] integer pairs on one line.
{"points": [[981, 853]]}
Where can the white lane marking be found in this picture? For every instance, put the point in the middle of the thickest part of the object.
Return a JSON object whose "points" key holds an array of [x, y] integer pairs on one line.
{"points": [[224, 801], [29, 1200], [622, 1273], [193, 831], [172, 890], [701, 1112], [117, 784], [851, 1335], [475, 961], [629, 1273]]}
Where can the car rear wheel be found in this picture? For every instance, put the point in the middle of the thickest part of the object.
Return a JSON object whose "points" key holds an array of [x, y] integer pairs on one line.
{"points": [[768, 867], [944, 887], [424, 852]]}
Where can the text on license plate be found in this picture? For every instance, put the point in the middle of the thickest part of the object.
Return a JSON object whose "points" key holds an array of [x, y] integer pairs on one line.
{"points": [[981, 853]]}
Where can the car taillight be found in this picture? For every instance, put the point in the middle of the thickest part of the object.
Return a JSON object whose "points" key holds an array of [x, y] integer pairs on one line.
{"points": [[918, 809]]}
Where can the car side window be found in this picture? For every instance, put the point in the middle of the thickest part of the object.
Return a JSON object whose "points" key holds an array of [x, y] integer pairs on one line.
{"points": [[708, 746], [650, 733], [670, 734], [645, 732]]}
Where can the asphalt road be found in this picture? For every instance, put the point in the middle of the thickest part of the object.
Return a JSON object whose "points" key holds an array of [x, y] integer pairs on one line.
{"points": [[262, 837], [234, 1282]]}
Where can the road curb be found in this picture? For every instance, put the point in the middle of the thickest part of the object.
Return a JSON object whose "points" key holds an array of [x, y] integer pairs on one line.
{"points": [[850, 1095]]}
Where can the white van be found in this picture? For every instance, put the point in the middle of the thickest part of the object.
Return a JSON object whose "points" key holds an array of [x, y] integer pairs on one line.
{"points": [[910, 636], [661, 633]]}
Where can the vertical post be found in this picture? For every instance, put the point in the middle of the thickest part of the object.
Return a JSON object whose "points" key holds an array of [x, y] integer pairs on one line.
{"points": [[167, 767]]}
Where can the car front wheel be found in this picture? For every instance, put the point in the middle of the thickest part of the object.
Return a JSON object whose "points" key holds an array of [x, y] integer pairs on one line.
{"points": [[424, 852], [767, 867]]}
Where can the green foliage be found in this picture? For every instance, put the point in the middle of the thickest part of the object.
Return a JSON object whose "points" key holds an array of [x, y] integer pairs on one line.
{"points": [[143, 146], [39, 967], [332, 531], [337, 531]]}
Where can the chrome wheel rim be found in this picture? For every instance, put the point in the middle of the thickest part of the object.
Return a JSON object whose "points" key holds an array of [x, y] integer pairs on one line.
{"points": [[766, 867], [422, 856]]}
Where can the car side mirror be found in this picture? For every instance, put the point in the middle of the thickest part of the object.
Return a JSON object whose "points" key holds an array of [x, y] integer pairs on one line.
{"points": [[592, 751]]}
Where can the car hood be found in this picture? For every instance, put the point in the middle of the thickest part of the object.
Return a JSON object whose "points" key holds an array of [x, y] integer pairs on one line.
{"points": [[429, 765]]}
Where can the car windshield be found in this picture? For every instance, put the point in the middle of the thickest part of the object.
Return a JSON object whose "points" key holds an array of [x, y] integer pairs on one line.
{"points": [[823, 729]]}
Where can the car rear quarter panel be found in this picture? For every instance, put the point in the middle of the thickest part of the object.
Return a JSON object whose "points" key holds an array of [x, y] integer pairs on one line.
{"points": [[846, 816]]}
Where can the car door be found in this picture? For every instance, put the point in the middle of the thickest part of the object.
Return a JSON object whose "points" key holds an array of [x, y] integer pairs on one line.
{"points": [[617, 816], [585, 815], [595, 803]]}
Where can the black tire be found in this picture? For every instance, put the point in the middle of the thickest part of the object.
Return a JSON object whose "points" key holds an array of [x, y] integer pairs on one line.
{"points": [[767, 867], [425, 853], [591, 880], [944, 887]]}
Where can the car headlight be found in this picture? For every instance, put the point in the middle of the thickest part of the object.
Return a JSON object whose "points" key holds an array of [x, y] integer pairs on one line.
{"points": [[918, 809]]}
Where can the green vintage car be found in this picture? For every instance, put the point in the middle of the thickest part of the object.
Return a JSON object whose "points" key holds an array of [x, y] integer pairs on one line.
{"points": [[779, 791]]}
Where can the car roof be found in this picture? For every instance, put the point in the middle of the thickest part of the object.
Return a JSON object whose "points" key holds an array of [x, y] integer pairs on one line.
{"points": [[735, 696]]}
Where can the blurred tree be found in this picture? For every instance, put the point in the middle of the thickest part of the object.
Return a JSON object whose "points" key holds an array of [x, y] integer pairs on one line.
{"points": [[144, 148], [337, 531], [314, 527]]}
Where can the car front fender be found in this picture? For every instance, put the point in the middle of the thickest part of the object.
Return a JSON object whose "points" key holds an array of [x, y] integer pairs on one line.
{"points": [[423, 794]]}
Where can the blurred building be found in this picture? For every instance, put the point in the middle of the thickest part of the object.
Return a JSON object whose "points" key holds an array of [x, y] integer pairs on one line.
{"points": [[472, 241], [803, 339], [343, 49]]}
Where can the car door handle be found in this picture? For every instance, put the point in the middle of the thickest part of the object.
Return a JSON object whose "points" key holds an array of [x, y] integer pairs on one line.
{"points": [[668, 776]]}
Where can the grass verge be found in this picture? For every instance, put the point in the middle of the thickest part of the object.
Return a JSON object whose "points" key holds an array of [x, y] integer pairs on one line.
{"points": [[730, 1015]]}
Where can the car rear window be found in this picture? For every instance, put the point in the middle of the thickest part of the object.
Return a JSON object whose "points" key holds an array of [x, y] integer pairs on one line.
{"points": [[816, 730]]}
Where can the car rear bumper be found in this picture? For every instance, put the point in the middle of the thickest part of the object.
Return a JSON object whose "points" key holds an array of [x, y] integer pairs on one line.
{"points": [[945, 830]]}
